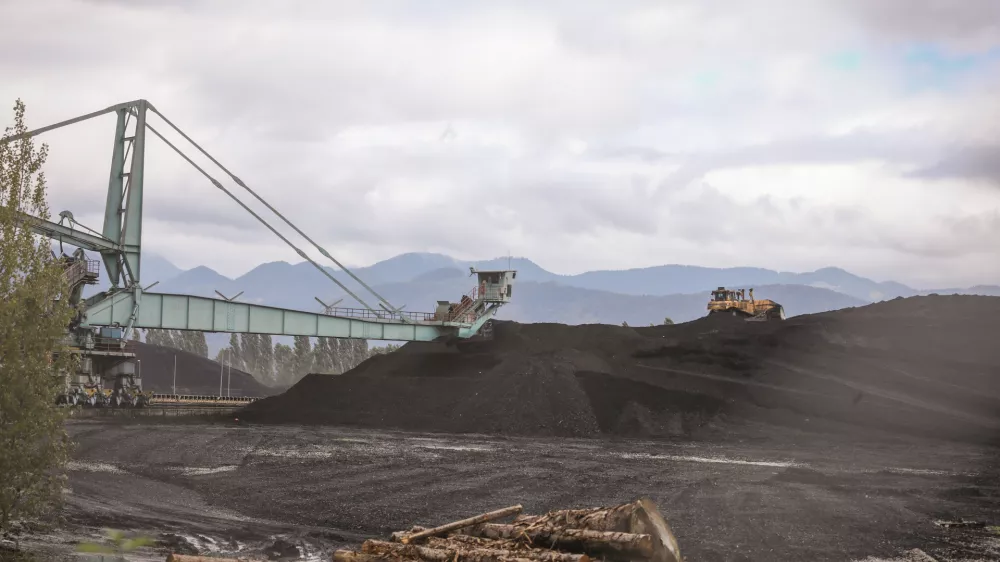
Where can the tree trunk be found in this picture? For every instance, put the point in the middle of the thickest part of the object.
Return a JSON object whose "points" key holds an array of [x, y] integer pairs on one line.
{"points": [[517, 549], [445, 551], [617, 519], [500, 513], [398, 536], [640, 517]]}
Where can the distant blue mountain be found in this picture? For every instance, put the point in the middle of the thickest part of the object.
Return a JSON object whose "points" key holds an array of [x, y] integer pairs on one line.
{"points": [[637, 296]]}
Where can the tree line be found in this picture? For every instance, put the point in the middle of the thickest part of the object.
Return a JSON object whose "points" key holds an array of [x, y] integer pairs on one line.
{"points": [[275, 364], [192, 342]]}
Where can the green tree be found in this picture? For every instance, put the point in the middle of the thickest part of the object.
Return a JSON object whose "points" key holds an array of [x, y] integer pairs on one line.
{"points": [[360, 352], [251, 353], [284, 364], [323, 359], [223, 357], [266, 345], [383, 350], [667, 321], [34, 314], [303, 356], [198, 343], [237, 358], [338, 354]]}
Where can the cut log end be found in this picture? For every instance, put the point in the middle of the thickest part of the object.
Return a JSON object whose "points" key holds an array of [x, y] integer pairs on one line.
{"points": [[647, 519]]}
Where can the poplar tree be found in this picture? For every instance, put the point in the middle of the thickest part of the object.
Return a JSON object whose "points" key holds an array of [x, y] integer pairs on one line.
{"points": [[34, 315]]}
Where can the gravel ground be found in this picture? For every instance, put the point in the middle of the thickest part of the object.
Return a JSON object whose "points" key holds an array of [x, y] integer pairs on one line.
{"points": [[767, 494]]}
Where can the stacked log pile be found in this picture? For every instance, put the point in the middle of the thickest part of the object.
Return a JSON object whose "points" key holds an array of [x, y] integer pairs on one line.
{"points": [[630, 532]]}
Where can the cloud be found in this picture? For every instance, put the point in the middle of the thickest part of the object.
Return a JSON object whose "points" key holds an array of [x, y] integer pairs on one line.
{"points": [[587, 135], [971, 24], [971, 162]]}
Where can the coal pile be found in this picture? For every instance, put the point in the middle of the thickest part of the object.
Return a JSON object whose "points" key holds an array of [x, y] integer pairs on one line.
{"points": [[195, 374], [925, 366]]}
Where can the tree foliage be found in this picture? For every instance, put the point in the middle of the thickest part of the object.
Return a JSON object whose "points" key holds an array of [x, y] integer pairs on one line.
{"points": [[184, 340], [34, 314], [303, 357], [284, 365]]}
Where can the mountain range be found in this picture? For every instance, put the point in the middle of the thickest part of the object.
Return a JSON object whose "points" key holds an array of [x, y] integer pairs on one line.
{"points": [[637, 296]]}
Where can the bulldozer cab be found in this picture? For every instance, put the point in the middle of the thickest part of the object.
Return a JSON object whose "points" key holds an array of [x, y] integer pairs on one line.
{"points": [[722, 294]]}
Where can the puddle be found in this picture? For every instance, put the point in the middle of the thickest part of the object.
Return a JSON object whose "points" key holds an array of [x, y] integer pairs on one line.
{"points": [[293, 454], [202, 470], [94, 467], [474, 448], [711, 460]]}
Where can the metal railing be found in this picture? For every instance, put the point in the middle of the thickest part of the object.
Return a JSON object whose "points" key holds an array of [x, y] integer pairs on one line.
{"points": [[113, 344], [463, 312], [189, 399], [381, 315], [83, 270], [493, 294]]}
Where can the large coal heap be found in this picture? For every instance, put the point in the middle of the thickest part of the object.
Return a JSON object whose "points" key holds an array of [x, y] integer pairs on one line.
{"points": [[924, 366], [195, 374]]}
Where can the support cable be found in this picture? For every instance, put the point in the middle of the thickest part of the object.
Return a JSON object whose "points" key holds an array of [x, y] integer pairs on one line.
{"points": [[216, 183], [275, 211]]}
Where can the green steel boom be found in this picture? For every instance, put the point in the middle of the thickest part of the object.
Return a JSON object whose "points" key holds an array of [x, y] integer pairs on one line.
{"points": [[127, 305], [187, 312]]}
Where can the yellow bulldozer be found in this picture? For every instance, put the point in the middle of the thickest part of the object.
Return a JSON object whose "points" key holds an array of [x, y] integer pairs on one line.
{"points": [[726, 301]]}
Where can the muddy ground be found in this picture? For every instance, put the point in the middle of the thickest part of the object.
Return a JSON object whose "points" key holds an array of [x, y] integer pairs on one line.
{"points": [[218, 488]]}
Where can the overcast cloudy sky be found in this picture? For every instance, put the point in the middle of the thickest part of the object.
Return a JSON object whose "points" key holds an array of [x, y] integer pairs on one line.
{"points": [[863, 134]]}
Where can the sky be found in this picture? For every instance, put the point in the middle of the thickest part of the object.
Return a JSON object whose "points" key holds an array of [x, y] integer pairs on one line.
{"points": [[862, 134]]}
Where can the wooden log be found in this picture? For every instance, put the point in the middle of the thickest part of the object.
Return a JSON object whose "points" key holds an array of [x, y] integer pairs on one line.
{"points": [[609, 544], [475, 542], [508, 548], [451, 552], [351, 556], [455, 525], [398, 536], [639, 517], [616, 519]]}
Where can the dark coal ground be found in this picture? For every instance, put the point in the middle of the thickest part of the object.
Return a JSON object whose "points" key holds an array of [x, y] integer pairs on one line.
{"points": [[923, 366], [772, 494]]}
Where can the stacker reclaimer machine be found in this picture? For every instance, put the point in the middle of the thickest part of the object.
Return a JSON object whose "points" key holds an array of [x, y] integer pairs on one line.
{"points": [[100, 332]]}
